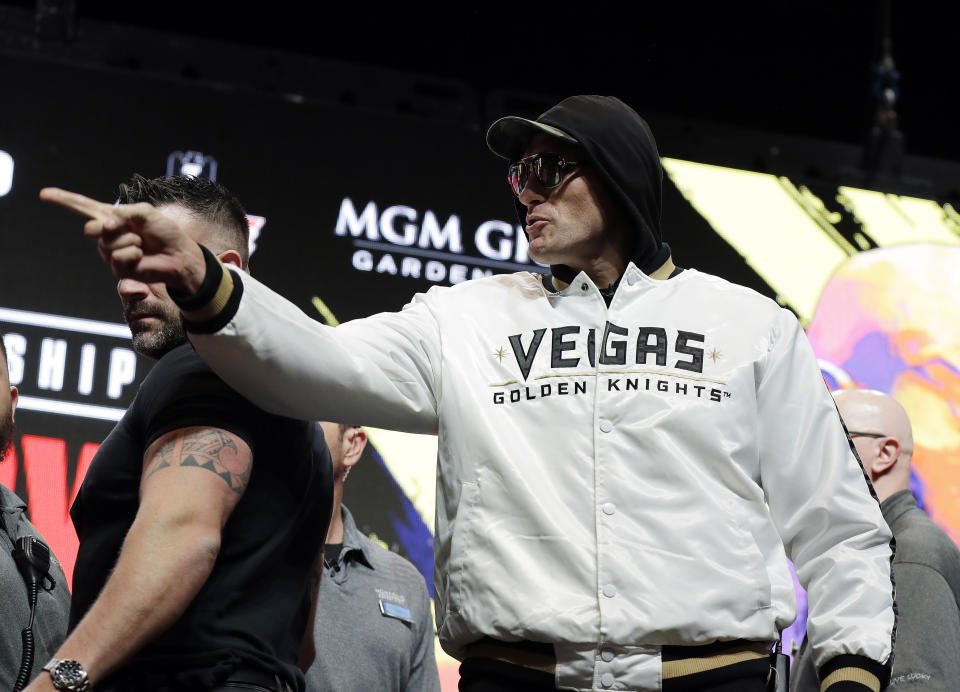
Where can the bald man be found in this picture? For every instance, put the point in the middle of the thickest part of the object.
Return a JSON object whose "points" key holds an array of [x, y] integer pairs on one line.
{"points": [[926, 566]]}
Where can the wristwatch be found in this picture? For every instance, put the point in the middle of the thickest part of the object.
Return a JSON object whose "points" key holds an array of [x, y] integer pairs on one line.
{"points": [[67, 674]]}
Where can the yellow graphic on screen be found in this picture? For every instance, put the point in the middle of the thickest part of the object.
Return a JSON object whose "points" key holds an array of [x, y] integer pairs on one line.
{"points": [[770, 224], [894, 220], [788, 236]]}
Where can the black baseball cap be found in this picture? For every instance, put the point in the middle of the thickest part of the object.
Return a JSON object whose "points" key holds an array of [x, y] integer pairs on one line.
{"points": [[509, 136]]}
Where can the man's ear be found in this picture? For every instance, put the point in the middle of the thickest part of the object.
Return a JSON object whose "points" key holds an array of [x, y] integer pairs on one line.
{"points": [[887, 458], [354, 442], [14, 395], [231, 257]]}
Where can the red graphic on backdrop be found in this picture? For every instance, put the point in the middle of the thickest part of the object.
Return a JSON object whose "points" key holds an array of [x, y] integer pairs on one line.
{"points": [[45, 465]]}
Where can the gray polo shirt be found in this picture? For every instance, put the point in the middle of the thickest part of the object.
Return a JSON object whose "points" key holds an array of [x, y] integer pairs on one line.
{"points": [[373, 630], [53, 608]]}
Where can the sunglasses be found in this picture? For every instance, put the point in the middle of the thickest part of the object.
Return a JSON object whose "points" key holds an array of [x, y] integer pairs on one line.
{"points": [[857, 433], [548, 168]]}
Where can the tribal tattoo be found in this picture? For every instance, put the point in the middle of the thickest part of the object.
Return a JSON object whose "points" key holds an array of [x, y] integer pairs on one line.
{"points": [[205, 448]]}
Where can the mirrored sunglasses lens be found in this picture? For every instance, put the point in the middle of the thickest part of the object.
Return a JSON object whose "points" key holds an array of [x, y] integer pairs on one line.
{"points": [[549, 171], [517, 176]]}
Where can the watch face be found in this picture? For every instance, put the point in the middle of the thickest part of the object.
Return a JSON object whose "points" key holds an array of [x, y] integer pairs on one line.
{"points": [[69, 675]]}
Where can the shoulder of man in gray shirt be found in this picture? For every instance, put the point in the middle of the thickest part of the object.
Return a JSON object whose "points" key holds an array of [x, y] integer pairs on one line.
{"points": [[374, 629], [926, 571], [53, 607]]}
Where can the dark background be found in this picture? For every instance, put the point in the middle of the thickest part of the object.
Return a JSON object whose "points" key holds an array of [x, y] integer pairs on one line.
{"points": [[801, 68]]}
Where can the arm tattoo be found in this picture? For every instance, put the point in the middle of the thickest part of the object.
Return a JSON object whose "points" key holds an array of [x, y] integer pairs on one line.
{"points": [[162, 458], [205, 448], [209, 443]]}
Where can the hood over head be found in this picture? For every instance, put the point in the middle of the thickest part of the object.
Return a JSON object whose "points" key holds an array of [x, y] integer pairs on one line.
{"points": [[621, 149]]}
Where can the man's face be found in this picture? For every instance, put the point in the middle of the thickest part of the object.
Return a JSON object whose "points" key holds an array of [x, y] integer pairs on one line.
{"points": [[8, 404], [566, 224], [153, 317]]}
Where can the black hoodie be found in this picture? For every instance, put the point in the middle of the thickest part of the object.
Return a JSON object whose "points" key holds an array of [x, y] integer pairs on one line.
{"points": [[623, 152]]}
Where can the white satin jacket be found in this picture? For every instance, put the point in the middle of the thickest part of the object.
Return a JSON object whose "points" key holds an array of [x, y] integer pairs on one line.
{"points": [[610, 480]]}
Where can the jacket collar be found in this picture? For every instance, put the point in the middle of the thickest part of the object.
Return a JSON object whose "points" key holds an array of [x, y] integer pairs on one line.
{"points": [[665, 271], [897, 505], [354, 544]]}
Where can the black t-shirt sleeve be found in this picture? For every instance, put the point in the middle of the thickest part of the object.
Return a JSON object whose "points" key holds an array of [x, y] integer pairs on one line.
{"points": [[181, 391]]}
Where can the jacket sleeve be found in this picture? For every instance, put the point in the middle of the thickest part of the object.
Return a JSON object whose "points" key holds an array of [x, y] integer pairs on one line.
{"points": [[378, 371], [826, 513]]}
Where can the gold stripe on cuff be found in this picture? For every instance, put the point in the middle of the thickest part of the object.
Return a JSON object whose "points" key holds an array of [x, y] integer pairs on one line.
{"points": [[217, 303], [690, 666], [851, 674]]}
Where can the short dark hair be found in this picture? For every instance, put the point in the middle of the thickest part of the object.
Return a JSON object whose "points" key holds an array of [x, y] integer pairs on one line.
{"points": [[202, 197], [3, 350]]}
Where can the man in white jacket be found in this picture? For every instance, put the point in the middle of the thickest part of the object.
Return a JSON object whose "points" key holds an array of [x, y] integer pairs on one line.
{"points": [[628, 453]]}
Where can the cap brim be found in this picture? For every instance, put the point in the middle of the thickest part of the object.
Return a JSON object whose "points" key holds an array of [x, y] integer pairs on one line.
{"points": [[509, 136]]}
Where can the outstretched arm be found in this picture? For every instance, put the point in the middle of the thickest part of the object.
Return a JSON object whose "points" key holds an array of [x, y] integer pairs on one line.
{"points": [[192, 479], [382, 369]]}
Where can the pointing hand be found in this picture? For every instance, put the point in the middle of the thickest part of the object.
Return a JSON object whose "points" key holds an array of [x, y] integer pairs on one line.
{"points": [[137, 240]]}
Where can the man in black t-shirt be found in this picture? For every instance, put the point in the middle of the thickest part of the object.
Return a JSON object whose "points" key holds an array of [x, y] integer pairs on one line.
{"points": [[202, 517]]}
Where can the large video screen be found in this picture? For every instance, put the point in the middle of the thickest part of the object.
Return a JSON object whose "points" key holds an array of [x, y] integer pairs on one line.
{"points": [[352, 211]]}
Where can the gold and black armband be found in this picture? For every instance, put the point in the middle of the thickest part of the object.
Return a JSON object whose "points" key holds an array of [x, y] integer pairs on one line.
{"points": [[852, 673], [216, 301]]}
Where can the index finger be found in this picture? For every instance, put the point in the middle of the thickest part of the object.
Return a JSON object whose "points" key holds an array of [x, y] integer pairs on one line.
{"points": [[77, 203]]}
